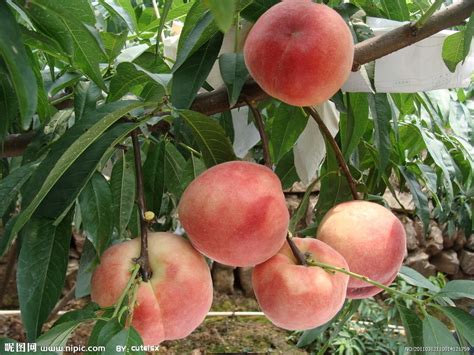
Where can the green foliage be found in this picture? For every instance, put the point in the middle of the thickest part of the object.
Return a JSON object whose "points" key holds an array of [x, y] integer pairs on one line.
{"points": [[79, 76]]}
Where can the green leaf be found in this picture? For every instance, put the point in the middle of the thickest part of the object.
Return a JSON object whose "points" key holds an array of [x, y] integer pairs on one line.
{"points": [[174, 164], [419, 198], [354, 123], [79, 315], [210, 137], [126, 338], [286, 170], [102, 332], [7, 237], [86, 94], [437, 335], [412, 324], [95, 202], [456, 46], [381, 113], [58, 335], [257, 8], [123, 186], [288, 123], [414, 278], [11, 184], [396, 10], [198, 29], [8, 103], [113, 43], [38, 40], [458, 289], [65, 152], [89, 260], [463, 321], [154, 176], [13, 53], [192, 74], [120, 12], [71, 23], [42, 267], [223, 12], [334, 186], [311, 335], [62, 82], [234, 73], [130, 74], [193, 168]]}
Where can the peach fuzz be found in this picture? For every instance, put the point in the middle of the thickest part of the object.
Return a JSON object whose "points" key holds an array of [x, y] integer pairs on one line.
{"points": [[371, 239], [175, 300], [235, 213], [297, 297], [300, 52]]}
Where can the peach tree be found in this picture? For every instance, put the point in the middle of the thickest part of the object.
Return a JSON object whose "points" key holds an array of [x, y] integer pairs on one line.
{"points": [[112, 110]]}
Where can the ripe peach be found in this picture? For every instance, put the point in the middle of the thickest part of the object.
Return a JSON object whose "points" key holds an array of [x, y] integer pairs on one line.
{"points": [[372, 240], [300, 52], [235, 213], [297, 297], [174, 301]]}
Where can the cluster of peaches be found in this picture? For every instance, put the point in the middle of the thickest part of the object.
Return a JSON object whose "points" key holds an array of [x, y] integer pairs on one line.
{"points": [[235, 213]]}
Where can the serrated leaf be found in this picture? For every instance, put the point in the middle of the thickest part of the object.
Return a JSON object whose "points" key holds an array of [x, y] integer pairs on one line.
{"points": [[65, 152], [458, 289], [412, 324], [436, 335], [210, 137], [414, 278], [42, 267], [154, 176], [123, 186], [288, 124], [192, 74], [463, 321], [13, 53], [95, 202], [129, 75], [223, 12], [234, 73], [11, 184]]}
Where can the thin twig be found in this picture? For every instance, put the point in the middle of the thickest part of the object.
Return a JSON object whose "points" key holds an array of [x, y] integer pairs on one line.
{"points": [[142, 260], [300, 258], [261, 130], [8, 272], [340, 158]]}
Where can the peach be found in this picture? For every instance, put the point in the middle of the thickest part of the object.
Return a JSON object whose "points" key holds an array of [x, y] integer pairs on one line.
{"points": [[174, 301], [371, 239], [300, 52], [297, 297], [235, 213]]}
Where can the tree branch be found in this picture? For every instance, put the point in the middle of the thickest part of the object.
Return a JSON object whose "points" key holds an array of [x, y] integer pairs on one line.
{"points": [[217, 101], [340, 158], [261, 130], [142, 260]]}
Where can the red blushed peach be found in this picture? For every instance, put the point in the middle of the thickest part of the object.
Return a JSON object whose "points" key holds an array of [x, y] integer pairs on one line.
{"points": [[235, 213], [297, 297], [177, 297], [300, 52], [371, 239]]}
